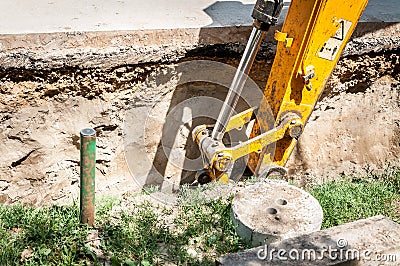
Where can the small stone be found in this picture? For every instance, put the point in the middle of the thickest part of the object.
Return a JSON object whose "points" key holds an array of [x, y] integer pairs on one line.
{"points": [[26, 253], [192, 252]]}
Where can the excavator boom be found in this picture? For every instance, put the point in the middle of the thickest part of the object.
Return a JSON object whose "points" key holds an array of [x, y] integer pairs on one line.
{"points": [[310, 42]]}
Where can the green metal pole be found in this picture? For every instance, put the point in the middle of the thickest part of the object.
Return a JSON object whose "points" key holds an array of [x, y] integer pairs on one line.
{"points": [[87, 175]]}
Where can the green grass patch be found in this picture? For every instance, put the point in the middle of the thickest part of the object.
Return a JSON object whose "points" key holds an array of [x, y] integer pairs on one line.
{"points": [[352, 199], [189, 234], [129, 233], [40, 236], [138, 234]]}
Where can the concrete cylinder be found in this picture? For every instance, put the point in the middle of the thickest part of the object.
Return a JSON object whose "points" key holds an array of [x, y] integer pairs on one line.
{"points": [[273, 210]]}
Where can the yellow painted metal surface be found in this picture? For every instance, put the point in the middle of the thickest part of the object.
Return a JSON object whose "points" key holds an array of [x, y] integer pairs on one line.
{"points": [[257, 143], [224, 178], [282, 37], [319, 30], [239, 120]]}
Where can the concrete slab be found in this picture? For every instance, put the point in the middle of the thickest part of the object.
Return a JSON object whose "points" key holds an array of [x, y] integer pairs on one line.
{"points": [[368, 242], [105, 33], [47, 16]]}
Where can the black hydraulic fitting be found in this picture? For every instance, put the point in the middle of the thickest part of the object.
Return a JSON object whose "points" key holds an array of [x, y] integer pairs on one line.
{"points": [[266, 13]]}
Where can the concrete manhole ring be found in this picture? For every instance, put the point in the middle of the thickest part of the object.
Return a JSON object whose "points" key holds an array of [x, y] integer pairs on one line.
{"points": [[273, 210]]}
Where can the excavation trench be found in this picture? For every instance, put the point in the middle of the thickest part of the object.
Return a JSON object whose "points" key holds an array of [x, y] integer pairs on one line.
{"points": [[144, 113]]}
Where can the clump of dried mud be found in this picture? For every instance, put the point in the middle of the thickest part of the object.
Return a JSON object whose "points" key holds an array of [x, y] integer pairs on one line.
{"points": [[355, 124]]}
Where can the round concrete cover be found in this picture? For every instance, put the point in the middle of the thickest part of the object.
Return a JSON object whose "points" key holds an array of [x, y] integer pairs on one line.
{"points": [[273, 210]]}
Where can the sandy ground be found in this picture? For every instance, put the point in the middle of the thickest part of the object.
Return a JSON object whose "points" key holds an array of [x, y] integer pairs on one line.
{"points": [[355, 126]]}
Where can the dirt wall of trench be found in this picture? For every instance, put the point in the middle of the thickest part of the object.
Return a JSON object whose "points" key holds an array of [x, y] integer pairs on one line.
{"points": [[356, 123]]}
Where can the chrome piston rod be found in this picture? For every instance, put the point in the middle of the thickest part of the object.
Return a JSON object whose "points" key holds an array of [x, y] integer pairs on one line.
{"points": [[252, 47]]}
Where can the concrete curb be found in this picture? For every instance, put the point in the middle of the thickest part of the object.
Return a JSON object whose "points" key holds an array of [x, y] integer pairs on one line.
{"points": [[376, 239]]}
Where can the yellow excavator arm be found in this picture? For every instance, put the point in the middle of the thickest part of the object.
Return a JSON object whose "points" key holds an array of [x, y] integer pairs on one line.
{"points": [[310, 42]]}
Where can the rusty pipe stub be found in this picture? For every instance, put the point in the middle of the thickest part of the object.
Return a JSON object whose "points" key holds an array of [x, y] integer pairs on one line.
{"points": [[87, 175]]}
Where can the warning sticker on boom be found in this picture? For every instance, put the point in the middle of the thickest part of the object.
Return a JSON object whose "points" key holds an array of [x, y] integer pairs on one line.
{"points": [[331, 48]]}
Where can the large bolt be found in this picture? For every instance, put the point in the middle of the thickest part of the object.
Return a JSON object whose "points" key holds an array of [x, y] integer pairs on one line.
{"points": [[295, 129], [223, 162]]}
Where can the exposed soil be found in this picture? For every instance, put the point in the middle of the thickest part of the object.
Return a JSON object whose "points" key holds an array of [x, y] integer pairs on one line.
{"points": [[356, 123]]}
